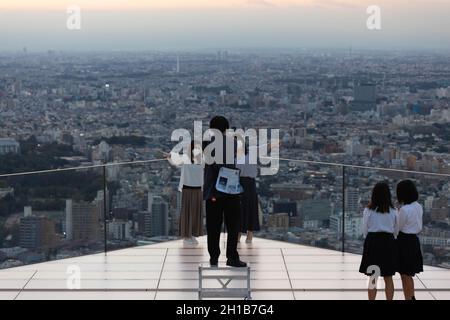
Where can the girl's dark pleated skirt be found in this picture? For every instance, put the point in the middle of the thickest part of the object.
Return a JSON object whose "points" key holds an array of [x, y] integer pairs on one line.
{"points": [[380, 249], [249, 206], [410, 260]]}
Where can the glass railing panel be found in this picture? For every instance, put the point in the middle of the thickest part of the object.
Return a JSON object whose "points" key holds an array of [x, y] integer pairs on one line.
{"points": [[60, 214], [49, 216], [143, 204], [302, 204]]}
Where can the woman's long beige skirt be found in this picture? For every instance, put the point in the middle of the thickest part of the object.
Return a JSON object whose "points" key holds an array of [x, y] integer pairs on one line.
{"points": [[191, 215]]}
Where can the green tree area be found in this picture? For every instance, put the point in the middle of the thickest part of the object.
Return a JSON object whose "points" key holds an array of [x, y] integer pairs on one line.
{"points": [[44, 191], [36, 157], [49, 191]]}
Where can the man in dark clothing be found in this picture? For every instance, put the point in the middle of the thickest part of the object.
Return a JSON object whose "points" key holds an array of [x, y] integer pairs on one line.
{"points": [[221, 205]]}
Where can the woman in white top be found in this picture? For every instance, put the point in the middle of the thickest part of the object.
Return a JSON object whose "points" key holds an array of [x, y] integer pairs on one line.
{"points": [[380, 228], [410, 261], [190, 186]]}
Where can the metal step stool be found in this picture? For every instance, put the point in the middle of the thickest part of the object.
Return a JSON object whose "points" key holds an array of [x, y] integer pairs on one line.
{"points": [[205, 273]]}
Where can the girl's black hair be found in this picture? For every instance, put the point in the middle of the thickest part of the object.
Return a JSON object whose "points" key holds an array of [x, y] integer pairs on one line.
{"points": [[407, 192], [381, 200]]}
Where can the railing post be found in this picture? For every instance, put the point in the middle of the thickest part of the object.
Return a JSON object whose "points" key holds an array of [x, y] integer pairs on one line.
{"points": [[343, 210], [105, 218]]}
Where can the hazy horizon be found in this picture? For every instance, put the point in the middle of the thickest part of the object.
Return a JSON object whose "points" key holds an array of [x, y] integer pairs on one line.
{"points": [[199, 24]]}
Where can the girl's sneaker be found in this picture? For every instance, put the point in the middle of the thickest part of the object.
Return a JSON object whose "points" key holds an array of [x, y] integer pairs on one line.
{"points": [[194, 240]]}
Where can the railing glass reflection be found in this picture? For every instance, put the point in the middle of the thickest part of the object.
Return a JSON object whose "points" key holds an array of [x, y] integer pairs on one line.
{"points": [[57, 214]]}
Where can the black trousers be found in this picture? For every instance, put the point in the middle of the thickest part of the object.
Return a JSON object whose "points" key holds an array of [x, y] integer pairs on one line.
{"points": [[227, 207]]}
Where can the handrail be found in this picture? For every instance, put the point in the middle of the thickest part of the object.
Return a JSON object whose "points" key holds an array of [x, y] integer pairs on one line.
{"points": [[331, 164], [341, 165], [111, 164]]}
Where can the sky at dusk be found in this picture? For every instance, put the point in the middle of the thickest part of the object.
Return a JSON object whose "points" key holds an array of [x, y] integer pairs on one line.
{"points": [[204, 24]]}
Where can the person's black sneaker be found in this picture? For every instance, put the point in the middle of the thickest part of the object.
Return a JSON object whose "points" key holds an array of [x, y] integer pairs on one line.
{"points": [[213, 263], [236, 264]]}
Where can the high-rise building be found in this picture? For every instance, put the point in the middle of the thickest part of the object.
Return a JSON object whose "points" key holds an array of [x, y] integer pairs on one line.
{"points": [[36, 232], [353, 225], [440, 210], [69, 220], [365, 97], [157, 218], [316, 213], [278, 222], [119, 230], [101, 152], [354, 148], [411, 162], [31, 232], [289, 207], [9, 146], [351, 201], [100, 201], [84, 221], [139, 222]]}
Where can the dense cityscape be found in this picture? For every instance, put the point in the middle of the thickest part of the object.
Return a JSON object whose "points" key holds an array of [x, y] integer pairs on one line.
{"points": [[367, 108]]}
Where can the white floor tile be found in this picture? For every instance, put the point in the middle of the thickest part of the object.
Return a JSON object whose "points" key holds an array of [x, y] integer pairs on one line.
{"points": [[322, 273], [12, 284], [100, 295], [434, 284], [94, 284], [100, 275], [16, 275], [177, 295], [441, 295], [8, 295]]}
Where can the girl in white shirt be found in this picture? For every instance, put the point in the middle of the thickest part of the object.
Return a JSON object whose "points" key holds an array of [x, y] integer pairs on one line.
{"points": [[410, 261], [190, 186], [380, 228]]}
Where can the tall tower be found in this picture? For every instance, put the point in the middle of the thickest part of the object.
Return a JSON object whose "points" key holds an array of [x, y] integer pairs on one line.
{"points": [[69, 226], [178, 64]]}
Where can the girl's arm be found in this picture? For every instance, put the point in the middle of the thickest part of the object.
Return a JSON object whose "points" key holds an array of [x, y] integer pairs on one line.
{"points": [[396, 225], [401, 218], [419, 218], [365, 222]]}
